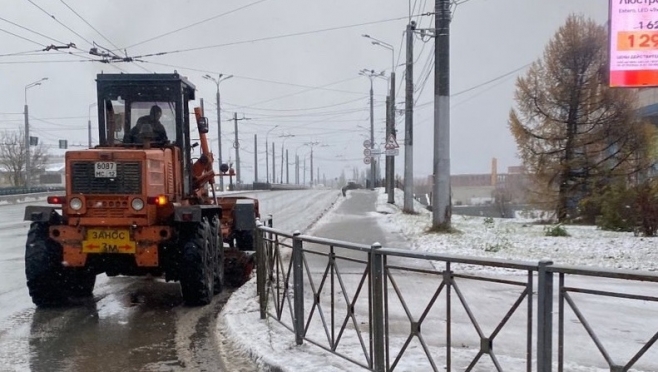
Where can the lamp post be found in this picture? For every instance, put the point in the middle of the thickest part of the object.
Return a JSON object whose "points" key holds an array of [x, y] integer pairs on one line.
{"points": [[219, 79], [390, 125], [27, 134], [267, 162], [370, 74]]}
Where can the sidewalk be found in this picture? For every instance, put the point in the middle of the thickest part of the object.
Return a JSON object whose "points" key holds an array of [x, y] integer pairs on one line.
{"points": [[272, 346]]}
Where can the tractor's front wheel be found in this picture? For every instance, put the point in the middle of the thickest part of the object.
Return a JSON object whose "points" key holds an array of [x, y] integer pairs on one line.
{"points": [[43, 267], [198, 263]]}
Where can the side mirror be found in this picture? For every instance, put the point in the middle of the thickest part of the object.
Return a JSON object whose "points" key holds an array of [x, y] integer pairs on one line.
{"points": [[202, 123]]}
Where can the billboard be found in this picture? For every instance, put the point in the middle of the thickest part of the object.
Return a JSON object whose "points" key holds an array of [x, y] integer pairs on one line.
{"points": [[633, 31]]}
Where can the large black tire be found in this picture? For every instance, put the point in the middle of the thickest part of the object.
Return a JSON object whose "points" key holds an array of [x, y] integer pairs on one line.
{"points": [[43, 267], [244, 240], [216, 238], [80, 282], [197, 266]]}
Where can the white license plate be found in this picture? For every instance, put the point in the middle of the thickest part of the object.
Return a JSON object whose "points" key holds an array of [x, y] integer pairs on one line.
{"points": [[105, 169]]}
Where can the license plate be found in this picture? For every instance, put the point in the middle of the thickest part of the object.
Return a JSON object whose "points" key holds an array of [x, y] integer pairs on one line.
{"points": [[108, 241], [105, 169]]}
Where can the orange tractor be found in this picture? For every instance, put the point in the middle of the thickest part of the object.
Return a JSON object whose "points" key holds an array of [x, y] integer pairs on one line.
{"points": [[141, 202]]}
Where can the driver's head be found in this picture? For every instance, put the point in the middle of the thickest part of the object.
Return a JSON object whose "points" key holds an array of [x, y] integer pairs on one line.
{"points": [[156, 112]]}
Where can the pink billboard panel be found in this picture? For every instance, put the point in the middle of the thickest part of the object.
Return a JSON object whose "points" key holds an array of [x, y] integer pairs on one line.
{"points": [[633, 43]]}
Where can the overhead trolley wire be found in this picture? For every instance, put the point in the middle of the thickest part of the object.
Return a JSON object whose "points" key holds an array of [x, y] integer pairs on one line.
{"points": [[194, 24]]}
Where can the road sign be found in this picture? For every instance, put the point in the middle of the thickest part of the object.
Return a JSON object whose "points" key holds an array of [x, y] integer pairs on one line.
{"points": [[367, 152], [367, 160], [367, 144], [391, 143], [392, 152], [375, 152], [236, 144]]}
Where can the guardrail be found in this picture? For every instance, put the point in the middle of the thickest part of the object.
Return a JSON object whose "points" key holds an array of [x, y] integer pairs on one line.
{"points": [[367, 291]]}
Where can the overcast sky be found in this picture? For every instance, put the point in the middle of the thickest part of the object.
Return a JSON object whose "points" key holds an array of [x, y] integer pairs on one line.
{"points": [[307, 84]]}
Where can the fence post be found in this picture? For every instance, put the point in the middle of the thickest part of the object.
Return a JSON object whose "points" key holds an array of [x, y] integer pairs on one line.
{"points": [[544, 317], [298, 286], [377, 285], [261, 270]]}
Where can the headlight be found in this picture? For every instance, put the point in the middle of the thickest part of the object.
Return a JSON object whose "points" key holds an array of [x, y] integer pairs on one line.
{"points": [[75, 204], [137, 204]]}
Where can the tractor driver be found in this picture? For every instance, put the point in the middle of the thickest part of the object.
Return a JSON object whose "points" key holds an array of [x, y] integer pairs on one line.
{"points": [[153, 119]]}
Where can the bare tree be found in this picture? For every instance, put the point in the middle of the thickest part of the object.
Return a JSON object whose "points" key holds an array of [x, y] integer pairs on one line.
{"points": [[12, 157], [573, 132]]}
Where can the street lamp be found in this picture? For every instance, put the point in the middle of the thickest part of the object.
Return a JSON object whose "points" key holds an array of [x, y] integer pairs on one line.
{"points": [[27, 134], [219, 79], [267, 162], [390, 126]]}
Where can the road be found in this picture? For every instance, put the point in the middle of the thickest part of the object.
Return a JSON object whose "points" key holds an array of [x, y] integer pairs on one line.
{"points": [[130, 324]]}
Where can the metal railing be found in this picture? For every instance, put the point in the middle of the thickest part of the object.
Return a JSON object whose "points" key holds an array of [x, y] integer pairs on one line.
{"points": [[336, 287]]}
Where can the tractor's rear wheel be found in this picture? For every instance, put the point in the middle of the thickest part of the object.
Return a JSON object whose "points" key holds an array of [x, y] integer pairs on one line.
{"points": [[43, 267], [198, 263], [216, 238]]}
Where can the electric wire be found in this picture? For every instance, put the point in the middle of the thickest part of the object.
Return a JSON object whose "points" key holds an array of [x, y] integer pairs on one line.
{"points": [[98, 32], [58, 21], [267, 38], [194, 24]]}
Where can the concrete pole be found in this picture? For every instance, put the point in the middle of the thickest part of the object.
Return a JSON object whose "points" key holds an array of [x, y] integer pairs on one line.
{"points": [[273, 165], [219, 137], [238, 174], [441, 205], [408, 123], [390, 176], [304, 171], [311, 166], [372, 139], [287, 169], [281, 177], [296, 169], [27, 149], [255, 158]]}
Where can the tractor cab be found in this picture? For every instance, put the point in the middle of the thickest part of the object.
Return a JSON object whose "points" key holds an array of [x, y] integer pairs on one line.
{"points": [[127, 102]]}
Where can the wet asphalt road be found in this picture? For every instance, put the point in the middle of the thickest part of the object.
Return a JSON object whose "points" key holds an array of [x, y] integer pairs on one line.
{"points": [[130, 324]]}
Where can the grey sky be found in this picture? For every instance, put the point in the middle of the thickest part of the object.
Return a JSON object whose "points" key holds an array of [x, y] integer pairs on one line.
{"points": [[489, 38]]}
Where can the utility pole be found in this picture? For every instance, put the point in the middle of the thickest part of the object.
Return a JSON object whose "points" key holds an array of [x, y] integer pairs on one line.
{"points": [[219, 79], [370, 74], [273, 165], [296, 169], [390, 170], [372, 140], [311, 167], [408, 206], [390, 119], [255, 158], [27, 149], [441, 205], [27, 134], [287, 169], [236, 145]]}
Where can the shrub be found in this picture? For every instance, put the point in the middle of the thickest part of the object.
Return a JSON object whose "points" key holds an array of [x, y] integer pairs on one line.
{"points": [[556, 230]]}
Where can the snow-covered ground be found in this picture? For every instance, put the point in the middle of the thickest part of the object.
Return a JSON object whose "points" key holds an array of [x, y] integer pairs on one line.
{"points": [[623, 325]]}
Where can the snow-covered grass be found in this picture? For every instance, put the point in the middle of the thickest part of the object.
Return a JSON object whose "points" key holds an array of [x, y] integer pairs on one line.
{"points": [[273, 346], [521, 239]]}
